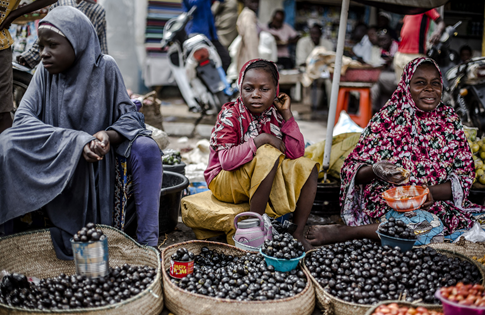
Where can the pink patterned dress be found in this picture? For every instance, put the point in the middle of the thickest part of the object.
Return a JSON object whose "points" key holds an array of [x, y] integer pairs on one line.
{"points": [[431, 145]]}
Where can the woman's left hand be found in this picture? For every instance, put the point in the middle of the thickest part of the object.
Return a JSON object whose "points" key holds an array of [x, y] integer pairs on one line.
{"points": [[102, 145], [429, 200], [283, 104]]}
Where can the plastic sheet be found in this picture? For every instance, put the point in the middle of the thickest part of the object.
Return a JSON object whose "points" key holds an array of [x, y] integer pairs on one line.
{"points": [[475, 234], [391, 173]]}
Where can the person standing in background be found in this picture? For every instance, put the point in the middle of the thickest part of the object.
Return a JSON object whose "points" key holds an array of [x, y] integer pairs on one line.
{"points": [[383, 22], [203, 23], [225, 14], [304, 47], [9, 11], [285, 35], [249, 29], [414, 37], [95, 13]]}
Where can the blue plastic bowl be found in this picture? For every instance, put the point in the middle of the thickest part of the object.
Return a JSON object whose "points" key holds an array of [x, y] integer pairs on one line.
{"points": [[282, 265], [403, 244]]}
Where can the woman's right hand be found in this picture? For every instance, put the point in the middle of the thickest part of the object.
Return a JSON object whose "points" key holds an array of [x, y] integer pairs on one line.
{"points": [[266, 138], [390, 172]]}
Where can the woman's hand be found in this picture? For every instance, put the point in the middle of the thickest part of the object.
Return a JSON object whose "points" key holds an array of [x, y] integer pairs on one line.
{"points": [[102, 144], [98, 148], [265, 138], [283, 105], [390, 173], [429, 200]]}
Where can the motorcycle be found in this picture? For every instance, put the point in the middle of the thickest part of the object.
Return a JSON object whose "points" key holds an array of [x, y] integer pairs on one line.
{"points": [[21, 80], [463, 84], [467, 92], [196, 67]]}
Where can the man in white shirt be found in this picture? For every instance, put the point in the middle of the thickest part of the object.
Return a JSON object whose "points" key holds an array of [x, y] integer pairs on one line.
{"points": [[306, 44]]}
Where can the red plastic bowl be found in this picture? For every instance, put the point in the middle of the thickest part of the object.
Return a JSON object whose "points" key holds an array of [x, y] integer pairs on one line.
{"points": [[452, 308], [394, 197]]}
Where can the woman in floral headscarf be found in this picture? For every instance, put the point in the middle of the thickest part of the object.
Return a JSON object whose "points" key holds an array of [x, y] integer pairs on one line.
{"points": [[257, 151], [419, 133]]}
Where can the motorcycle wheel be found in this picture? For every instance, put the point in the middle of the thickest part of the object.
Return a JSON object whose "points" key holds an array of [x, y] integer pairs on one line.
{"points": [[21, 81]]}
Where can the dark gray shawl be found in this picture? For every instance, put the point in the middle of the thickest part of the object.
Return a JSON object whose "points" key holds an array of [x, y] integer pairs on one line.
{"points": [[41, 155]]}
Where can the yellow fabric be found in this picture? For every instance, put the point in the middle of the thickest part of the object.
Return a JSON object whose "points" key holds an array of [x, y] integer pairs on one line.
{"points": [[6, 6], [209, 217], [342, 146], [232, 191]]}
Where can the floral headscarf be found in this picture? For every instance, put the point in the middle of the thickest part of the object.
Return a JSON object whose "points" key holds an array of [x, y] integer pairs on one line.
{"points": [[235, 123], [431, 145]]}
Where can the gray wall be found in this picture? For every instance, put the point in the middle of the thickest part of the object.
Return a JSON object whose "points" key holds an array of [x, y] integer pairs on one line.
{"points": [[126, 20]]}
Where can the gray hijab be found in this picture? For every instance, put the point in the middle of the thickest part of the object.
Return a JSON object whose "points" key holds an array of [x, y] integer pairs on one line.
{"points": [[41, 155]]}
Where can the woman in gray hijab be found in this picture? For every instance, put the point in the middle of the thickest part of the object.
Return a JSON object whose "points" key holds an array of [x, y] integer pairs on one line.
{"points": [[74, 120]]}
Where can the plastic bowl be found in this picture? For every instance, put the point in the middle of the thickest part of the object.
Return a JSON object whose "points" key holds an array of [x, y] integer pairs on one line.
{"points": [[402, 243], [452, 308], [282, 265], [393, 197]]}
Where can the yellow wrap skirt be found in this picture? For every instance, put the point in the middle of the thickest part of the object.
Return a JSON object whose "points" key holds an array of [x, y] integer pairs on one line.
{"points": [[237, 187]]}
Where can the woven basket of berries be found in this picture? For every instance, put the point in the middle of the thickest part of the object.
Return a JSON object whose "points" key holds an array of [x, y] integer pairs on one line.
{"points": [[39, 283], [351, 277], [228, 280]]}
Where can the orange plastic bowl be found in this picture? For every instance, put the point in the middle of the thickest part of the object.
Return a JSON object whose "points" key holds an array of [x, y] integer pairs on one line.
{"points": [[405, 198]]}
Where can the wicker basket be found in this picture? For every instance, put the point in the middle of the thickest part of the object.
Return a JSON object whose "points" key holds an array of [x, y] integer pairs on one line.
{"points": [[181, 302], [463, 247], [437, 308], [32, 254], [331, 305]]}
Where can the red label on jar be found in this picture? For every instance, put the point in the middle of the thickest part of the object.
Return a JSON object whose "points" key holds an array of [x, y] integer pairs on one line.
{"points": [[181, 269]]}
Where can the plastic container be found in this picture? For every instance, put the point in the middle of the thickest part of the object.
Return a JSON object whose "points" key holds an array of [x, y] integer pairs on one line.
{"points": [[176, 168], [172, 187], [246, 247], [394, 197], [452, 308], [282, 265], [365, 74], [403, 244], [91, 258]]}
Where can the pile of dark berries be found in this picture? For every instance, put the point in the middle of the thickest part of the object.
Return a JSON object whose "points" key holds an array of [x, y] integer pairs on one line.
{"points": [[363, 272], [68, 292], [283, 246], [397, 228], [245, 278], [182, 254], [89, 233]]}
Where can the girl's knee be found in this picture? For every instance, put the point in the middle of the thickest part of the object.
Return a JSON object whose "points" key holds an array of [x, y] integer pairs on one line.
{"points": [[145, 146]]}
